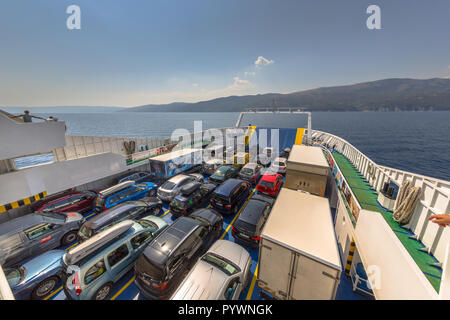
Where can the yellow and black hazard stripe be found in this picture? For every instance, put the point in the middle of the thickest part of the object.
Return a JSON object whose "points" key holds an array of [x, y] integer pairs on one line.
{"points": [[351, 252], [23, 202]]}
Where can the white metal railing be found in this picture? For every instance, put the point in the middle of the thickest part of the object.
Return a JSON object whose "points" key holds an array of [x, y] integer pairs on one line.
{"points": [[5, 289], [356, 278], [435, 197]]}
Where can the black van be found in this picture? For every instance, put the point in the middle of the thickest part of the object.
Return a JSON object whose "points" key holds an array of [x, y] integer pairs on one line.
{"points": [[167, 259], [247, 228], [227, 198], [192, 196]]}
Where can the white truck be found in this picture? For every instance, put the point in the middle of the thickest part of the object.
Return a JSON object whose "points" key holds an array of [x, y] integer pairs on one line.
{"points": [[298, 252]]}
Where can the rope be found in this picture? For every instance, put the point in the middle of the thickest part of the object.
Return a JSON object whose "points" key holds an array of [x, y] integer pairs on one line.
{"points": [[407, 198]]}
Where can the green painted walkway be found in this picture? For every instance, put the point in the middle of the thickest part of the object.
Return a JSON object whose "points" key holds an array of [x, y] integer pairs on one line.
{"points": [[367, 198]]}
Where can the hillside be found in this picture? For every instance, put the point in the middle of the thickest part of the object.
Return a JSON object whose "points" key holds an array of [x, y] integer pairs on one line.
{"points": [[381, 95]]}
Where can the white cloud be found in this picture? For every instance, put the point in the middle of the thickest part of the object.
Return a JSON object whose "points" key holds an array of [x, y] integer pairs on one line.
{"points": [[249, 73], [261, 62], [195, 84], [240, 84]]}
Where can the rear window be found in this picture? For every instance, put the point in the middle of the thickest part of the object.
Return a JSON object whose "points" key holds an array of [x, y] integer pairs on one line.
{"points": [[168, 185], [266, 184], [57, 216], [178, 204], [242, 225], [220, 198], [220, 263], [247, 171], [144, 265], [86, 231]]}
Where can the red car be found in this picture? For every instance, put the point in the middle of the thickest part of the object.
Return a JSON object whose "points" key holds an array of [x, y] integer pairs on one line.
{"points": [[80, 202], [270, 184]]}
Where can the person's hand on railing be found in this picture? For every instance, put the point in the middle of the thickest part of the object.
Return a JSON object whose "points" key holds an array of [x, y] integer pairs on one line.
{"points": [[442, 220]]}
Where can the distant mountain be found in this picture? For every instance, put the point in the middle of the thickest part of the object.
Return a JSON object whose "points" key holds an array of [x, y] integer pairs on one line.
{"points": [[381, 95], [64, 109]]}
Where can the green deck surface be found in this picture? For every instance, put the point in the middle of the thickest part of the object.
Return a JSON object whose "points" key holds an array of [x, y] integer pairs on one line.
{"points": [[367, 198]]}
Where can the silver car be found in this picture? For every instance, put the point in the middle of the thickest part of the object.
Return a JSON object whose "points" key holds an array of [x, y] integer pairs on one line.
{"points": [[169, 189], [278, 165], [222, 273], [251, 172], [36, 233]]}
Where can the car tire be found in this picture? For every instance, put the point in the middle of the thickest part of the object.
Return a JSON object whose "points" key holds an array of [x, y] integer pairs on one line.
{"points": [[44, 288], [103, 292], [69, 238], [152, 193]]}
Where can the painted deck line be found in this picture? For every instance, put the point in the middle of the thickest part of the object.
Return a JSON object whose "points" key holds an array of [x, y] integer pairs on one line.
{"points": [[123, 288], [252, 285]]}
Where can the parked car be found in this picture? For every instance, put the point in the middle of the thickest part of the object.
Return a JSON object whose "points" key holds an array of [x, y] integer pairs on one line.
{"points": [[33, 234], [130, 210], [221, 273], [210, 166], [270, 183], [125, 191], [98, 263], [223, 173], [165, 261], [227, 198], [285, 153], [246, 230], [169, 189], [138, 177], [80, 202], [278, 165], [251, 172], [192, 196], [36, 277]]}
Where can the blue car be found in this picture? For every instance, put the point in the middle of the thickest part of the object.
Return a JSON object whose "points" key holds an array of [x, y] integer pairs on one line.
{"points": [[125, 191], [37, 277]]}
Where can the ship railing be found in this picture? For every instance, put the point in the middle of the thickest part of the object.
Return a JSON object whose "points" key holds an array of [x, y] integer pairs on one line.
{"points": [[5, 289], [435, 198]]}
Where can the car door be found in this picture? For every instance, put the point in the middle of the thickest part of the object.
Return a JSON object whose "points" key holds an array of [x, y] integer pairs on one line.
{"points": [[119, 261], [13, 248], [43, 237]]}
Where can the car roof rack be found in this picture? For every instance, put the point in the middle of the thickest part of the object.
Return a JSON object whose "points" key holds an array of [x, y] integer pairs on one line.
{"points": [[98, 241], [117, 187]]}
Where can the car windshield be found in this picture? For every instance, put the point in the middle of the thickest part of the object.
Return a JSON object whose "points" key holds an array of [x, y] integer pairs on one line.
{"points": [[220, 173], [220, 263], [14, 275], [148, 225], [266, 184], [247, 171], [176, 203], [168, 185]]}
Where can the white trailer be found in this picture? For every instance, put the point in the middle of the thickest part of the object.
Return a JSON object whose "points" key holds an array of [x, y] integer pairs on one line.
{"points": [[298, 252]]}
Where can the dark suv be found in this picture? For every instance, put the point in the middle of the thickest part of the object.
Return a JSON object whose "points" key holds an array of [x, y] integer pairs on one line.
{"points": [[167, 259], [192, 196], [223, 173], [247, 228], [230, 195]]}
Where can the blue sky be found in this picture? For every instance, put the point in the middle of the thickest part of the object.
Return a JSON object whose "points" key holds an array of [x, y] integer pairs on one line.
{"points": [[130, 53]]}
